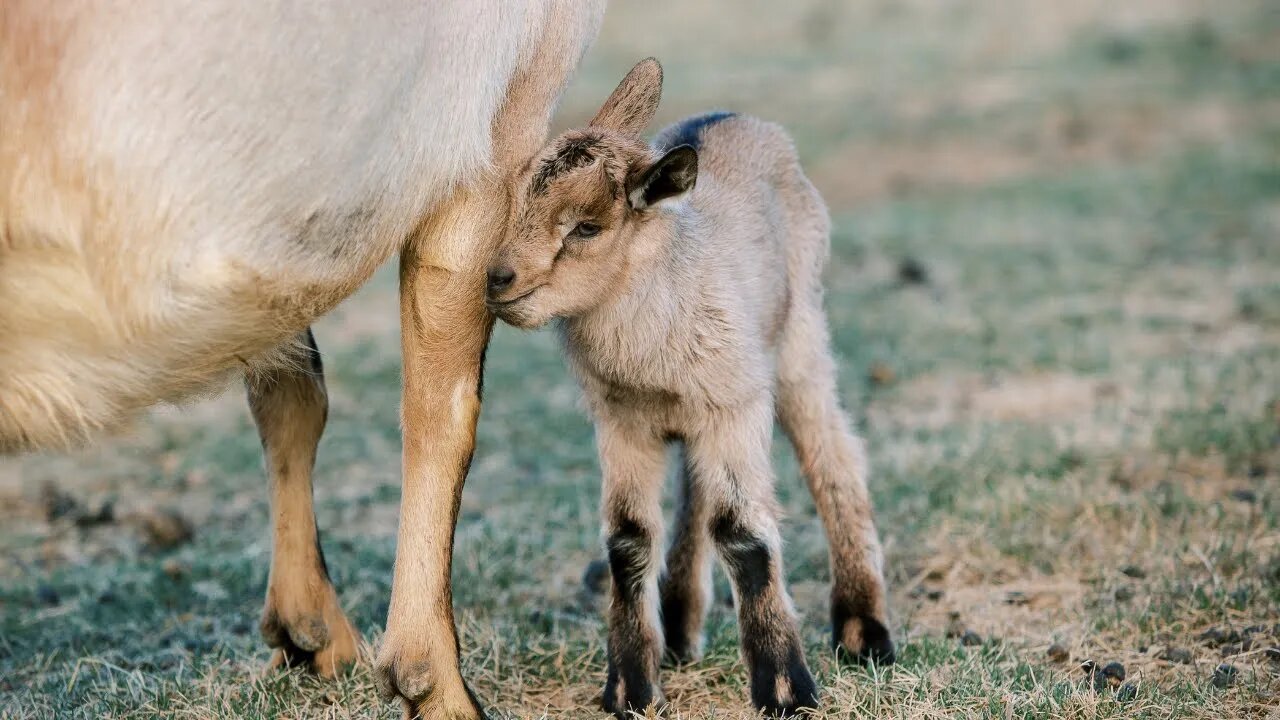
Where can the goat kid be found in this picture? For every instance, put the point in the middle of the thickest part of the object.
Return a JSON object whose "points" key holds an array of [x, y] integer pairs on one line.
{"points": [[693, 316]]}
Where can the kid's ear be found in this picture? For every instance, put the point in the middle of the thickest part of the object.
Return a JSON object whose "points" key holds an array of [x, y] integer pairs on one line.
{"points": [[633, 103], [671, 177]]}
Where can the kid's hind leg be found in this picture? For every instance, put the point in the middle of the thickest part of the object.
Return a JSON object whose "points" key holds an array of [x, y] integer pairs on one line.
{"points": [[686, 585], [834, 464]]}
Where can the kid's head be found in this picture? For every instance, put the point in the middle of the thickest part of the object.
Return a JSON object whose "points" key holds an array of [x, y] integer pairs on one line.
{"points": [[581, 206]]}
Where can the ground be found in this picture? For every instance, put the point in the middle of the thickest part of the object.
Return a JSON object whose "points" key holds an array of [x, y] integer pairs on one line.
{"points": [[1055, 292]]}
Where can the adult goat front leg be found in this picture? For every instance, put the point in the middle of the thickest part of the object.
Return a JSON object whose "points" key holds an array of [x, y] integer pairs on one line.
{"points": [[444, 330]]}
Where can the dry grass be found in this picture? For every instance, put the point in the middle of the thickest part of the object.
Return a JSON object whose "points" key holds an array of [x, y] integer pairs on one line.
{"points": [[1072, 402]]}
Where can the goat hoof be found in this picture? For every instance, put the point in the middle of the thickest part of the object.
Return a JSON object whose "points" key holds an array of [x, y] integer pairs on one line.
{"points": [[430, 710], [682, 653], [863, 640], [423, 695], [681, 645], [783, 689], [622, 699], [681, 613], [320, 640]]}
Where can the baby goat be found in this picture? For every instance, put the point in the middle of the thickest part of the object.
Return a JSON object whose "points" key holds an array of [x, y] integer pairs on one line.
{"points": [[693, 316]]}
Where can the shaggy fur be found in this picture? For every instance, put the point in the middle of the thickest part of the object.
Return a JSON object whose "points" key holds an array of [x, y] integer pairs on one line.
{"points": [[185, 186], [695, 314]]}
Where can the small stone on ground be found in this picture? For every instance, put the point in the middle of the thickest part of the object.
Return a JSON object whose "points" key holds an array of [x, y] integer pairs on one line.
{"points": [[912, 272], [1133, 571], [595, 579], [1224, 676], [165, 529], [880, 374], [1244, 495], [47, 595]]}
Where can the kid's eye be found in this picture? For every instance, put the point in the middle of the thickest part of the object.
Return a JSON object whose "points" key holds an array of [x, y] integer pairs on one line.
{"points": [[585, 230]]}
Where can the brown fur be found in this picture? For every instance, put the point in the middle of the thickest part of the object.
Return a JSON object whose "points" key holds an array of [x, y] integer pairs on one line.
{"points": [[697, 313], [444, 331], [301, 618]]}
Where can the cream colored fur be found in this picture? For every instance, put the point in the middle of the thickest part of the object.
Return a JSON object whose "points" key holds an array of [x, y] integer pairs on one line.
{"points": [[695, 314], [185, 186]]}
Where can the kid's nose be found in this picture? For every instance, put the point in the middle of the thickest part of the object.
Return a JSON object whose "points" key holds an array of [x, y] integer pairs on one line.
{"points": [[500, 278]]}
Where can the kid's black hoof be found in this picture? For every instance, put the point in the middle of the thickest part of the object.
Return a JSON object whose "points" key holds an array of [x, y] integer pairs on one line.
{"points": [[863, 640], [681, 646], [621, 698], [784, 688]]}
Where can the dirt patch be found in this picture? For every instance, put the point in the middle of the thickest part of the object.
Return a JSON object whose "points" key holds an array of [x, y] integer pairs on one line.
{"points": [[936, 401], [860, 172]]}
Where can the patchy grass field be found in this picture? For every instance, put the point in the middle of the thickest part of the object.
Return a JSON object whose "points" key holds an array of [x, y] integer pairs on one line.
{"points": [[1055, 286]]}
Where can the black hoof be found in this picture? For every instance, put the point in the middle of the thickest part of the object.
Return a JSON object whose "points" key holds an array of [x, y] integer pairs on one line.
{"points": [[680, 655], [785, 687], [681, 646], [623, 698], [863, 640]]}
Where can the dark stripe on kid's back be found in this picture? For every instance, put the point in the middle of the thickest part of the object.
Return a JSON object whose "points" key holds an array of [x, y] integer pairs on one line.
{"points": [[689, 131]]}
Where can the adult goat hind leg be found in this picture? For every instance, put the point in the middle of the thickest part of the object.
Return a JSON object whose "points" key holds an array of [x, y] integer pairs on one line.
{"points": [[301, 618], [835, 467], [685, 587]]}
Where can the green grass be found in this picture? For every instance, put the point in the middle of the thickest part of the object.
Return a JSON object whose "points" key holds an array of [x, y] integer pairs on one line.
{"points": [[1089, 380]]}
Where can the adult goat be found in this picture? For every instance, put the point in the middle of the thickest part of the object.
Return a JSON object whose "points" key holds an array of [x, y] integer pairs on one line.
{"points": [[185, 186]]}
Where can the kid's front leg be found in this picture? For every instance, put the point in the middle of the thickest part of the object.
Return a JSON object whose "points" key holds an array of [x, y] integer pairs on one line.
{"points": [[731, 457], [632, 459]]}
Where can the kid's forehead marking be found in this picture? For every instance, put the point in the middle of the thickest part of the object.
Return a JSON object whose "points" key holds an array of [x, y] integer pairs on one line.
{"points": [[573, 153]]}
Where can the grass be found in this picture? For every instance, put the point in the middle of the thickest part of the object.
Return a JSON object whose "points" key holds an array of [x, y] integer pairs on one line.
{"points": [[1074, 420]]}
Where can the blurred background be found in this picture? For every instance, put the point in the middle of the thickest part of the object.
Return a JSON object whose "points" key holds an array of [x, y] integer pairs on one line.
{"points": [[1055, 290]]}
